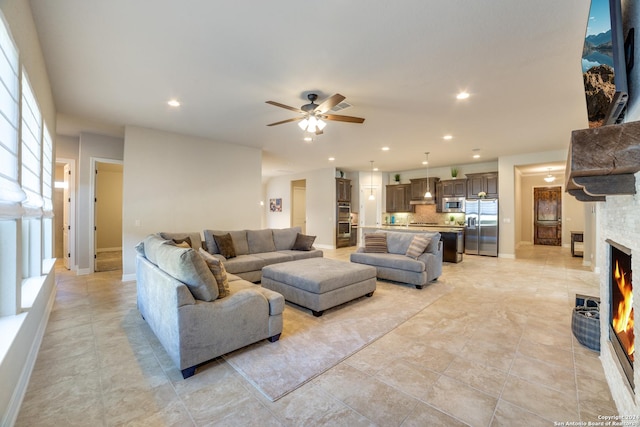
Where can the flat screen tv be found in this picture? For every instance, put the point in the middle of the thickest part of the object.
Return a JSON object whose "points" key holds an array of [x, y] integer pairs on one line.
{"points": [[604, 65]]}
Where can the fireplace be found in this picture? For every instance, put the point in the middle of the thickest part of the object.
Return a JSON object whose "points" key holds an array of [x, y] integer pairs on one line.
{"points": [[621, 331]]}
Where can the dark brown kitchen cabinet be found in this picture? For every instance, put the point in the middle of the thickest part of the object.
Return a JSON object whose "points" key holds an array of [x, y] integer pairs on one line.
{"points": [[399, 198], [454, 188], [343, 190], [419, 187], [478, 182]]}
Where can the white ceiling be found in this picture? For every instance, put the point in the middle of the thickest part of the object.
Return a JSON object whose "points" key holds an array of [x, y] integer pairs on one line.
{"points": [[400, 65]]}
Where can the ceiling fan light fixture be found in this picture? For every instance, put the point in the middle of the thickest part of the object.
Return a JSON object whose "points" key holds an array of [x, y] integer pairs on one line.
{"points": [[303, 124], [321, 124]]}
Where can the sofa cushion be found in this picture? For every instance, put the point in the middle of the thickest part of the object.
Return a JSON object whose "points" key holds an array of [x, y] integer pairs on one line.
{"points": [[417, 246], [375, 243], [432, 247], [187, 266], [395, 261], [274, 257], [314, 253], [219, 272], [151, 245], [303, 242], [224, 242], [284, 238], [195, 241], [239, 238], [260, 241], [244, 264]]}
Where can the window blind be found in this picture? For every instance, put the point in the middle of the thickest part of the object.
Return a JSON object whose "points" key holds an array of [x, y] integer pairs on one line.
{"points": [[11, 195], [31, 154]]}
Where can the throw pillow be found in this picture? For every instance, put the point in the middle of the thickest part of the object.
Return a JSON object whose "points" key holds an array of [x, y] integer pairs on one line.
{"points": [[188, 267], [225, 245], [183, 243], [303, 242], [219, 272], [417, 246], [375, 243]]}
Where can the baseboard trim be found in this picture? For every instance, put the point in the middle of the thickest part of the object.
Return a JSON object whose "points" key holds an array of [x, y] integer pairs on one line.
{"points": [[83, 271], [131, 277]]}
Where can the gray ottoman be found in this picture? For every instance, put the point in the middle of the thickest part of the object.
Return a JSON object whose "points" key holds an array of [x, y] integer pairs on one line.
{"points": [[319, 283]]}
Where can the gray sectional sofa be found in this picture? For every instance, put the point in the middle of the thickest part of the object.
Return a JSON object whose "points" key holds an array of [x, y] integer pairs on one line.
{"points": [[258, 248], [395, 265], [178, 296]]}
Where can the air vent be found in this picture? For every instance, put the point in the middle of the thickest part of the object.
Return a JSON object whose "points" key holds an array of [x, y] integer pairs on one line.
{"points": [[342, 106]]}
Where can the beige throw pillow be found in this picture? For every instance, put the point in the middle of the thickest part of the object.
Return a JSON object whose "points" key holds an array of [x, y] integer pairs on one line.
{"points": [[417, 246], [219, 272]]}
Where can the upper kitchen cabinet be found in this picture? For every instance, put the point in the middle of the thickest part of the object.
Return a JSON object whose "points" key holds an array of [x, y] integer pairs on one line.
{"points": [[419, 187], [399, 198], [453, 188], [343, 190], [487, 182]]}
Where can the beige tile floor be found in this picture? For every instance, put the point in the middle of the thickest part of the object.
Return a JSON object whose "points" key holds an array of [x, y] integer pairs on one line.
{"points": [[497, 351]]}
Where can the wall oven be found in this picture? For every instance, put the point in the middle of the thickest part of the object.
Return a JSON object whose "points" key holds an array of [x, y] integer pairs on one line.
{"points": [[344, 219], [453, 204]]}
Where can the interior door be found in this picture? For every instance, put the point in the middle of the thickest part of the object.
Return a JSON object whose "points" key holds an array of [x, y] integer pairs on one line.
{"points": [[547, 218], [66, 225]]}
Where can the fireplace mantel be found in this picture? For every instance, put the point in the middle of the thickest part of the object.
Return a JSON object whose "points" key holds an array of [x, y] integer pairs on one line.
{"points": [[602, 161]]}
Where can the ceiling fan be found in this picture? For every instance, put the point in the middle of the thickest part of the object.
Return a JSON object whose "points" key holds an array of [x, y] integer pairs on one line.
{"points": [[313, 114]]}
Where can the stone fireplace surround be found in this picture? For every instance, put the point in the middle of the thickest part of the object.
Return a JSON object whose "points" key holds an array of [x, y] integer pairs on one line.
{"points": [[618, 219]]}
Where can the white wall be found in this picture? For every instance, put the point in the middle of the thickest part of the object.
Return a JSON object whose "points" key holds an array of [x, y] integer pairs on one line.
{"points": [[321, 204], [175, 182], [97, 147]]}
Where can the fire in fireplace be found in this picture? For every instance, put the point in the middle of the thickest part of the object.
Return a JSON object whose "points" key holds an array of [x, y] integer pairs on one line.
{"points": [[621, 319]]}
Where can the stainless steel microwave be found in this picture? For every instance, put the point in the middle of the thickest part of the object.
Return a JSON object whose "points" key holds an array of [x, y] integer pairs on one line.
{"points": [[453, 204]]}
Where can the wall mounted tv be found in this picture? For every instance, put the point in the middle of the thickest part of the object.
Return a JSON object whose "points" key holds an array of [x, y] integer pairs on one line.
{"points": [[604, 65]]}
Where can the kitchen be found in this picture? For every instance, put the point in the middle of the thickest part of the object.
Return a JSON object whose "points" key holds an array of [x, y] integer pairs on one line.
{"points": [[457, 209]]}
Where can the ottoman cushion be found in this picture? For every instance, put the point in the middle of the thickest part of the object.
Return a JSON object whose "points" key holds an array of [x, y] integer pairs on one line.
{"points": [[318, 275]]}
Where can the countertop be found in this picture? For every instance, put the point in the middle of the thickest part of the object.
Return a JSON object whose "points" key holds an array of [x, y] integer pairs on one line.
{"points": [[419, 228]]}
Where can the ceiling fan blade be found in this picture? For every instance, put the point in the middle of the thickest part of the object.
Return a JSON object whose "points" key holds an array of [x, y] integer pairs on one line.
{"points": [[277, 104], [340, 118], [329, 103], [286, 121]]}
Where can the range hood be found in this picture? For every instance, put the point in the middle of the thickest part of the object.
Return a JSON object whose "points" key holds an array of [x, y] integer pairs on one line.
{"points": [[430, 201], [602, 161]]}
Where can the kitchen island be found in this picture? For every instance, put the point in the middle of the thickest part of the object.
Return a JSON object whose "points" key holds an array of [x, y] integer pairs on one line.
{"points": [[452, 237]]}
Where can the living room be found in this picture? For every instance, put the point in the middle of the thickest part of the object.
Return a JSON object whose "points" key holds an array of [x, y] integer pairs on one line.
{"points": [[197, 182]]}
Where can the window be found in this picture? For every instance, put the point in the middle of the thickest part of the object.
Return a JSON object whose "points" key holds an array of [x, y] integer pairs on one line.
{"points": [[26, 165]]}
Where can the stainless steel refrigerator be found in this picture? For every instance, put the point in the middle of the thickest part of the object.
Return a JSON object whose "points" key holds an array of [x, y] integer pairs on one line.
{"points": [[481, 230]]}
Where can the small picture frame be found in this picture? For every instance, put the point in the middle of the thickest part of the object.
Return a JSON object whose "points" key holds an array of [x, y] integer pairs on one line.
{"points": [[275, 205]]}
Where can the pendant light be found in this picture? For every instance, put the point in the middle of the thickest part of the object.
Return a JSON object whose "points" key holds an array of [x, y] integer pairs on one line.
{"points": [[371, 196], [427, 194], [549, 178]]}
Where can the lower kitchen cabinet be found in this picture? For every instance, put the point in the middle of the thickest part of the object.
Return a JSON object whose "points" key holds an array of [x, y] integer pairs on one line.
{"points": [[453, 245]]}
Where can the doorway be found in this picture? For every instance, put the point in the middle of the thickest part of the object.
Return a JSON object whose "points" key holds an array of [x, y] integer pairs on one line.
{"points": [[547, 218], [299, 204], [64, 202], [108, 216]]}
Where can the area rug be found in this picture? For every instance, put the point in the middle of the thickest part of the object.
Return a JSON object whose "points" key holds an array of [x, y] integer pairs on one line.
{"points": [[311, 345]]}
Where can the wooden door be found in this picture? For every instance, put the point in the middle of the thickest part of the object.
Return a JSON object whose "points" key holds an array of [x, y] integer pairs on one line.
{"points": [[547, 222]]}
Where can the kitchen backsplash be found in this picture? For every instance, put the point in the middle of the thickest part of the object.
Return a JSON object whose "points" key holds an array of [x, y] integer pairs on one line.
{"points": [[423, 214]]}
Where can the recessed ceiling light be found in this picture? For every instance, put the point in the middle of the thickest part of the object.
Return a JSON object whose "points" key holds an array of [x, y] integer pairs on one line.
{"points": [[447, 137], [462, 95], [375, 169], [331, 159], [385, 148], [173, 103], [308, 139]]}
